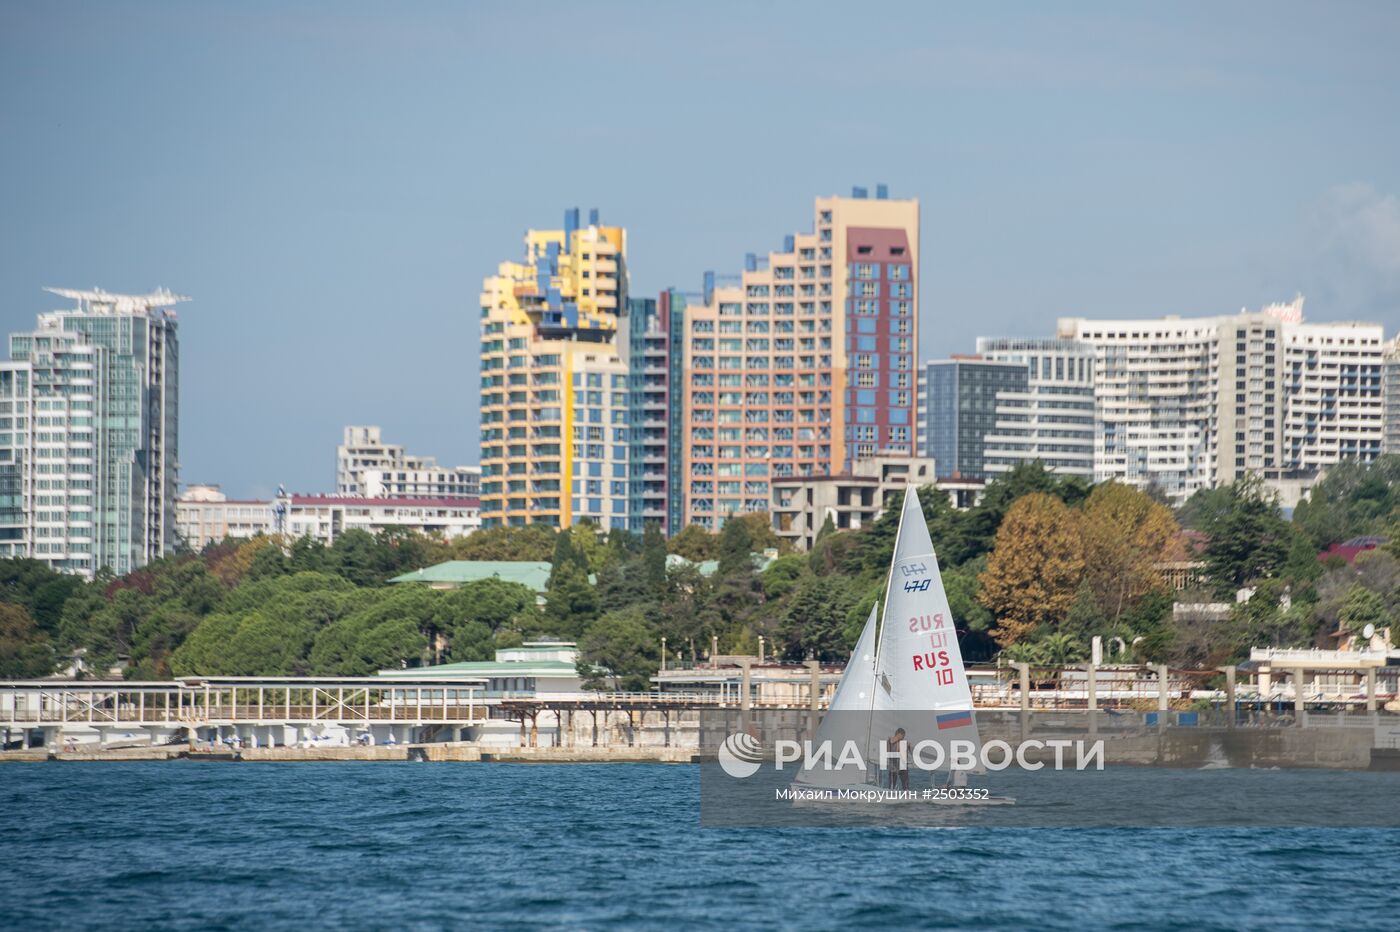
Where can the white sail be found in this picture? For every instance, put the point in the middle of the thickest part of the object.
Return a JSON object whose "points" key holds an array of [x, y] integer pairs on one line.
{"points": [[854, 690], [919, 667], [852, 704]]}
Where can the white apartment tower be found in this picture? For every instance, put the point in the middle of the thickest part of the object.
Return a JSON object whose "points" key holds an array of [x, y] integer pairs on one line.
{"points": [[89, 436], [1052, 421], [368, 467], [1186, 404], [1390, 392]]}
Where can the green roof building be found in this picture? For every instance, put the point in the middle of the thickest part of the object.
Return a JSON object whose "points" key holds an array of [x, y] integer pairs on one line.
{"points": [[456, 573], [533, 668]]}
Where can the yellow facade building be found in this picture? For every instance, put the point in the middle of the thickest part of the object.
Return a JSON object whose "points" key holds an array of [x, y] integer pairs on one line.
{"points": [[553, 384]]}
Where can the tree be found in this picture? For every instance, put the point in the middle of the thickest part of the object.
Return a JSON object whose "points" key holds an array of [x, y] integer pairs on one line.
{"points": [[1354, 498], [1059, 649], [1246, 537], [814, 625], [623, 646], [571, 602], [694, 543], [565, 557], [1126, 535], [25, 652], [1084, 619], [534, 543], [980, 524], [491, 602], [1364, 607], [654, 559], [1266, 619], [761, 534], [735, 547], [1036, 564]]}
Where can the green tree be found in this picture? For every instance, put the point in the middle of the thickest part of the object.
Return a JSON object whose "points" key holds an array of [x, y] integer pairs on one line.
{"points": [[624, 647], [1085, 619], [1364, 607], [1246, 537], [25, 651], [534, 543], [1354, 498], [571, 602], [694, 543], [565, 557], [654, 559], [1060, 649], [735, 547], [814, 625]]}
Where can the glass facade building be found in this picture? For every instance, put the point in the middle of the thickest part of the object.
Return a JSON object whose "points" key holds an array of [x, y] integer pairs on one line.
{"points": [[959, 401], [89, 434]]}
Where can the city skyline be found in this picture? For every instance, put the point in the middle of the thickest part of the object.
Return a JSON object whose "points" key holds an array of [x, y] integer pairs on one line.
{"points": [[1107, 165]]}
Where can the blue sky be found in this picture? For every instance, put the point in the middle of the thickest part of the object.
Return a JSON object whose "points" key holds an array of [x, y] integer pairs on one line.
{"points": [[330, 182]]}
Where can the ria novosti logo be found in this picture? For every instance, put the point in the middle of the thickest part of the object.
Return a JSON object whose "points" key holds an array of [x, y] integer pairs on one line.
{"points": [[740, 755]]}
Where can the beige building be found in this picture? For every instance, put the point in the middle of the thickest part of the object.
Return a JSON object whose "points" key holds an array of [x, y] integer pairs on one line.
{"points": [[801, 505], [807, 364], [204, 515]]}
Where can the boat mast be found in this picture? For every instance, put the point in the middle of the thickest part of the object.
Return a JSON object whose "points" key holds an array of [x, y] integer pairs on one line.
{"points": [[880, 636]]}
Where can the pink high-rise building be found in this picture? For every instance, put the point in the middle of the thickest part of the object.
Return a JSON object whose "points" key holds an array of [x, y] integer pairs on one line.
{"points": [[808, 362]]}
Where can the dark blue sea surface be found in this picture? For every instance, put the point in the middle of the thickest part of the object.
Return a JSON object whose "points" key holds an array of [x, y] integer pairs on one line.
{"points": [[210, 845]]}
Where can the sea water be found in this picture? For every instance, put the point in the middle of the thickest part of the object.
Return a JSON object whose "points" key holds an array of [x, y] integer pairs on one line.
{"points": [[457, 845]]}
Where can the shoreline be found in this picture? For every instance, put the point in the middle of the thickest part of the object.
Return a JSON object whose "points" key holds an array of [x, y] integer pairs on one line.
{"points": [[431, 753]]}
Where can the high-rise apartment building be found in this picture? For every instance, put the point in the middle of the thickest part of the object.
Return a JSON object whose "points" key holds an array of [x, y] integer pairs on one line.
{"points": [[1188, 404], [554, 406], [89, 434], [808, 363], [649, 335], [960, 398], [1052, 420], [1390, 392], [366, 466]]}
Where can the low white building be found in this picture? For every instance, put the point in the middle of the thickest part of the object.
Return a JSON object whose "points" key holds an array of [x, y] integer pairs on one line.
{"points": [[367, 466], [204, 515], [326, 517]]}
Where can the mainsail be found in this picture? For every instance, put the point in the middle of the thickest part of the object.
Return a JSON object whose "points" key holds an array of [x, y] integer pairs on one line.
{"points": [[920, 683]]}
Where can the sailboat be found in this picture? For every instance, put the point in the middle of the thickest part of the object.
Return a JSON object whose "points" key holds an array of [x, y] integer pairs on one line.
{"points": [[906, 673]]}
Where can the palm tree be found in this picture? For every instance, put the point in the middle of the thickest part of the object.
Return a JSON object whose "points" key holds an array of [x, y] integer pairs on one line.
{"points": [[1059, 649]]}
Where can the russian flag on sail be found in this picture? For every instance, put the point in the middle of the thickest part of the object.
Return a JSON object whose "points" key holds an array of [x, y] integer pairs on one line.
{"points": [[955, 720]]}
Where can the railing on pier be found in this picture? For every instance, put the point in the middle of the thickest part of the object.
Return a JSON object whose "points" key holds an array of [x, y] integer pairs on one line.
{"points": [[191, 702]]}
